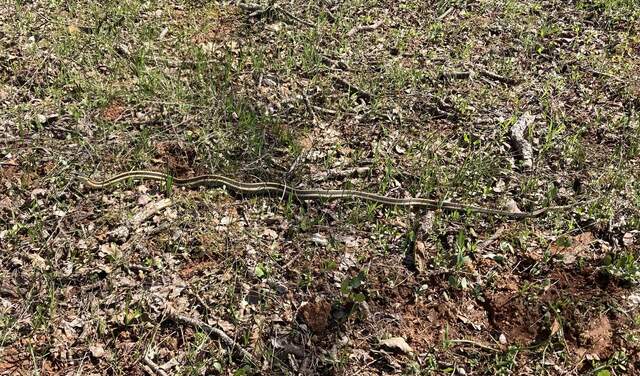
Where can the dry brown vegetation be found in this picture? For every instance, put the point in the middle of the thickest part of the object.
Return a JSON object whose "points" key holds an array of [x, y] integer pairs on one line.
{"points": [[403, 98]]}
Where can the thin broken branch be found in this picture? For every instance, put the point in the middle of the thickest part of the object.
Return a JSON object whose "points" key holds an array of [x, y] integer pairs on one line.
{"points": [[153, 367], [497, 77], [334, 63], [292, 16], [186, 320], [497, 234], [149, 210], [523, 147], [309, 107], [324, 110], [445, 13], [258, 10], [463, 75], [357, 29], [353, 88]]}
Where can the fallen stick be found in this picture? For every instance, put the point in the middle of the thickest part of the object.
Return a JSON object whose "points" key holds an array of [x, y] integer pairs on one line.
{"points": [[292, 16], [523, 147], [463, 75], [186, 320], [357, 29], [153, 366], [309, 107], [149, 210], [482, 246], [497, 77], [257, 10], [445, 14], [334, 63], [353, 88]]}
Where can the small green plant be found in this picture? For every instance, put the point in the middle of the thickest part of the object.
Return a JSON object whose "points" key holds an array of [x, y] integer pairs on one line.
{"points": [[615, 365], [168, 185], [261, 270], [462, 247], [350, 288], [506, 361], [624, 266]]}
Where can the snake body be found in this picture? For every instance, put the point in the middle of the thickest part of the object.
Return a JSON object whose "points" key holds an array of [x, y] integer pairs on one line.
{"points": [[284, 190]]}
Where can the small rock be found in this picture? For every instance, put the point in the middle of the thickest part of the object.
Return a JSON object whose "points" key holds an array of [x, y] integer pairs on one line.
{"points": [[97, 351], [16, 262], [397, 343], [120, 234], [279, 287], [123, 49], [634, 300], [319, 239], [275, 26], [628, 239], [163, 33], [512, 206], [38, 192], [41, 119], [269, 233]]}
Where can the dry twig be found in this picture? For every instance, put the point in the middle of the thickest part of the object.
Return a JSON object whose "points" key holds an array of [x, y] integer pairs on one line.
{"points": [[446, 13], [357, 29], [309, 107], [292, 16], [334, 63], [353, 88], [463, 75], [258, 10], [149, 210], [523, 146], [497, 234], [497, 77], [460, 75], [153, 367], [212, 331], [324, 110]]}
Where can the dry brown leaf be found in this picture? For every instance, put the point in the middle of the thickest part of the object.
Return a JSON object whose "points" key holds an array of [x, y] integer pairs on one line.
{"points": [[555, 327], [577, 246], [316, 315], [38, 262]]}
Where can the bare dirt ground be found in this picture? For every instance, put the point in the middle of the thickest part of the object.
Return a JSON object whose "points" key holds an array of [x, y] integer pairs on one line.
{"points": [[403, 98]]}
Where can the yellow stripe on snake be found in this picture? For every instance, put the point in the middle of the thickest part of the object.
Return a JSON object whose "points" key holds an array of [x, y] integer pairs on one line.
{"points": [[307, 194]]}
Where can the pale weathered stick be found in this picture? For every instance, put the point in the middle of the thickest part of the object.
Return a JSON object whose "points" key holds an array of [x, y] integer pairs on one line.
{"points": [[358, 29], [211, 330], [153, 366]]}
